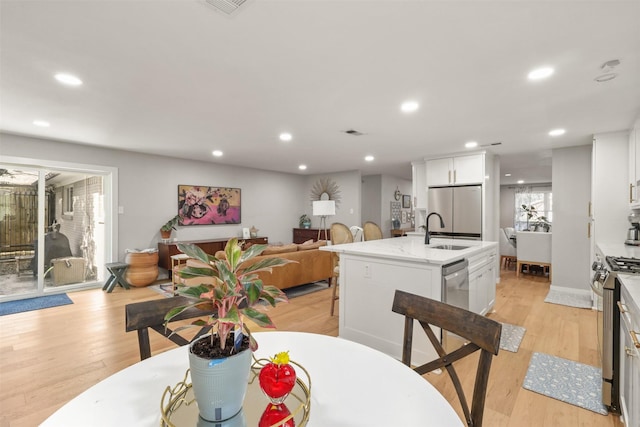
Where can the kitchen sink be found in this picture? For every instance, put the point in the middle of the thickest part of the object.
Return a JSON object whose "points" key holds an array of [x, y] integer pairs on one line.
{"points": [[450, 247]]}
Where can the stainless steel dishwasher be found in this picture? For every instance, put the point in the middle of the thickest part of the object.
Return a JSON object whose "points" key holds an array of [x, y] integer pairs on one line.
{"points": [[455, 291], [455, 283]]}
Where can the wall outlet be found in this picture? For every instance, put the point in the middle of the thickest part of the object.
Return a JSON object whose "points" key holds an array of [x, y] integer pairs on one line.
{"points": [[367, 271]]}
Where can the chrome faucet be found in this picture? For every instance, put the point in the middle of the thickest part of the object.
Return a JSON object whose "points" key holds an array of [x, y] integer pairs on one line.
{"points": [[426, 236]]}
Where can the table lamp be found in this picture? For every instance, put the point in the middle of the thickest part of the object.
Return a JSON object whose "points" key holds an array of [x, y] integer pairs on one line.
{"points": [[323, 209]]}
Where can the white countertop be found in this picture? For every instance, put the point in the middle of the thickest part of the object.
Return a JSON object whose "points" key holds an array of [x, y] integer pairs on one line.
{"points": [[412, 248], [619, 250]]}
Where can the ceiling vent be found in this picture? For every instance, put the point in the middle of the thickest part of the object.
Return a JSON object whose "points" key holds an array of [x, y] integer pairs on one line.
{"points": [[228, 7], [353, 132]]}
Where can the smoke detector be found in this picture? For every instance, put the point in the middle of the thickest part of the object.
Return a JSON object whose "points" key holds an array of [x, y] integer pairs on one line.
{"points": [[228, 7], [353, 132]]}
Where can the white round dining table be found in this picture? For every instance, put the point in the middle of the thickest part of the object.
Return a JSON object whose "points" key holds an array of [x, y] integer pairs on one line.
{"points": [[351, 385]]}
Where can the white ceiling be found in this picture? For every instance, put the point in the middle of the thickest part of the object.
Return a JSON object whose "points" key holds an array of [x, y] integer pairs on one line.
{"points": [[179, 78]]}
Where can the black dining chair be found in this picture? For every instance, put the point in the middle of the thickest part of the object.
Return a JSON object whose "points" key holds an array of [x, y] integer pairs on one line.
{"points": [[482, 333], [145, 315]]}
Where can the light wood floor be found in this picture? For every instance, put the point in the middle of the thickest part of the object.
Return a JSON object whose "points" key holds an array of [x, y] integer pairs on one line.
{"points": [[49, 356]]}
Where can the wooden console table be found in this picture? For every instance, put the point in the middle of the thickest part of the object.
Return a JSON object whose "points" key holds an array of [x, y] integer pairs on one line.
{"points": [[211, 246], [301, 235]]}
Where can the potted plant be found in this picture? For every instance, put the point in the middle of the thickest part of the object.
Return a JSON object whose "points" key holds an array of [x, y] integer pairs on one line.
{"points": [[165, 230], [232, 290], [305, 221], [538, 221]]}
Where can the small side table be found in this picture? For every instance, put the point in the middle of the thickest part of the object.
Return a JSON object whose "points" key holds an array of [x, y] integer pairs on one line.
{"points": [[116, 271], [177, 261]]}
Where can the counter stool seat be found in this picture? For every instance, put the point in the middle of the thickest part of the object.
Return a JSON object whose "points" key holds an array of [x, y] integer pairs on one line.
{"points": [[116, 271]]}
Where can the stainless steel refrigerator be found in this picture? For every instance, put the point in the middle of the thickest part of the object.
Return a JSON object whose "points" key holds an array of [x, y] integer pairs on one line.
{"points": [[461, 211]]}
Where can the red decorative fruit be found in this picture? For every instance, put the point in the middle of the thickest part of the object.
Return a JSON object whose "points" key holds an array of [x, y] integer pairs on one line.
{"points": [[273, 416], [277, 378]]}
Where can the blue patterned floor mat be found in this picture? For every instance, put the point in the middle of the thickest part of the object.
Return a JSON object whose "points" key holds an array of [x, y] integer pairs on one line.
{"points": [[30, 304], [511, 337], [565, 380]]}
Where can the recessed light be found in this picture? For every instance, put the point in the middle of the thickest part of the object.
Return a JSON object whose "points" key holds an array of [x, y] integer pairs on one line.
{"points": [[284, 136], [302, 167], [369, 158], [557, 132], [520, 181], [540, 73], [409, 106], [41, 123], [68, 79], [507, 174], [217, 153], [471, 144]]}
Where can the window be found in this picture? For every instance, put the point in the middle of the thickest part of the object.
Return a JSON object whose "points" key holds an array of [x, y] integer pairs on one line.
{"points": [[540, 200], [68, 200]]}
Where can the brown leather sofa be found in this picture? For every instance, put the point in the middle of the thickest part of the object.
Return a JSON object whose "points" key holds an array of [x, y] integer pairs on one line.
{"points": [[310, 265]]}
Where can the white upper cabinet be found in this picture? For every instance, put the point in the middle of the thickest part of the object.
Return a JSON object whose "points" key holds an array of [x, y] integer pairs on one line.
{"points": [[419, 185], [459, 170], [634, 165]]}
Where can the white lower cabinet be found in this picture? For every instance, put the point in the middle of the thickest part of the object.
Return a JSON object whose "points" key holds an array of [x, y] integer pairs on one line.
{"points": [[629, 364], [482, 282]]}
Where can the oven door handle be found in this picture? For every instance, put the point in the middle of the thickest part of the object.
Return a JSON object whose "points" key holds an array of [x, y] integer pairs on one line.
{"points": [[596, 286]]}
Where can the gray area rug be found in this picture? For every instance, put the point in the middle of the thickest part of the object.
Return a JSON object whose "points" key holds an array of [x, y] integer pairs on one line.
{"points": [[309, 288], [511, 337], [565, 380], [569, 299], [166, 289]]}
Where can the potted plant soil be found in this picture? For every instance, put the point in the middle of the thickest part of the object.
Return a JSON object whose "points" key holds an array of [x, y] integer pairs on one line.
{"points": [[168, 227], [220, 363]]}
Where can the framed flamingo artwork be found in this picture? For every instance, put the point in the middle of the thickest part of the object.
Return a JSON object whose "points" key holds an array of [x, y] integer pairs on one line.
{"points": [[202, 205]]}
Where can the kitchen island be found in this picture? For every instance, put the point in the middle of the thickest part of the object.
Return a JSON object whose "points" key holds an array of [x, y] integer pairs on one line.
{"points": [[371, 271]]}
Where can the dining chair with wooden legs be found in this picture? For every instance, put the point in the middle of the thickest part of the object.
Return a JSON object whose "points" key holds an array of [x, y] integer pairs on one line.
{"points": [[340, 233], [482, 333], [371, 231]]}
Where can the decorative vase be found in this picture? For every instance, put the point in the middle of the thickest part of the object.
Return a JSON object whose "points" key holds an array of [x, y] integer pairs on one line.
{"points": [[277, 381], [143, 268], [219, 385], [306, 224], [274, 415]]}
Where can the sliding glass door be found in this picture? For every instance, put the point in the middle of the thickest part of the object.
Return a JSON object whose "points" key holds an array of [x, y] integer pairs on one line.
{"points": [[52, 230]]}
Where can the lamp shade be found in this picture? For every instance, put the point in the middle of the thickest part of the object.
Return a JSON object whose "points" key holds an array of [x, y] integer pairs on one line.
{"points": [[324, 207]]}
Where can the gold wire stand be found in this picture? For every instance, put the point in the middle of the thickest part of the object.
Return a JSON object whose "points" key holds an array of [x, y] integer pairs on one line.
{"points": [[178, 402]]}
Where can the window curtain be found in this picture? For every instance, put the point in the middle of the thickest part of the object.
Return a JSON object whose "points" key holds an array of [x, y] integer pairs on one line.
{"points": [[522, 197]]}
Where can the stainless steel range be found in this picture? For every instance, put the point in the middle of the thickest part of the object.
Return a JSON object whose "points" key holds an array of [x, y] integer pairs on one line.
{"points": [[606, 285]]}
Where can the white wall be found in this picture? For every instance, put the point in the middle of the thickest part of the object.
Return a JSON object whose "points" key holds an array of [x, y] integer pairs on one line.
{"points": [[571, 173], [148, 185], [507, 205], [378, 193], [348, 210], [372, 199], [610, 189]]}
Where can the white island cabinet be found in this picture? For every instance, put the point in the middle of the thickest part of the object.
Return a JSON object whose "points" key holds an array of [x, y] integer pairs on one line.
{"points": [[370, 273], [629, 352]]}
